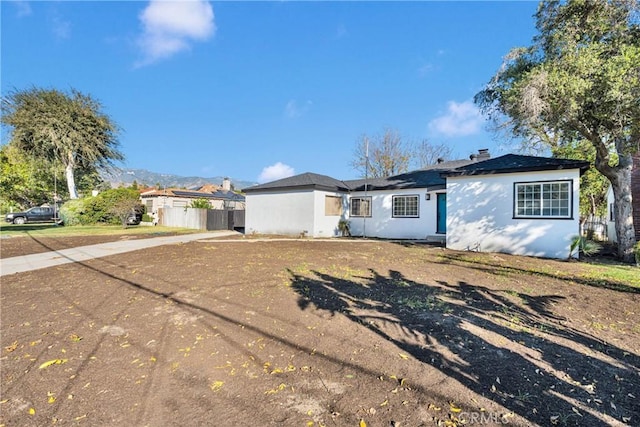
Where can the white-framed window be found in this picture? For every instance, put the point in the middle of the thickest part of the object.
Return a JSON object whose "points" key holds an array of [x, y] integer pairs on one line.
{"points": [[360, 206], [406, 206], [547, 199]]}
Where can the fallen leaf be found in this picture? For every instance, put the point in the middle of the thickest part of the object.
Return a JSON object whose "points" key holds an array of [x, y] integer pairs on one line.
{"points": [[11, 347], [403, 356], [32, 411], [52, 362], [454, 408], [576, 411], [75, 337], [385, 403], [217, 385], [362, 424]]}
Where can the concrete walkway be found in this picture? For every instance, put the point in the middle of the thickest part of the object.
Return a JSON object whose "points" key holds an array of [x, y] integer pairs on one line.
{"points": [[49, 259]]}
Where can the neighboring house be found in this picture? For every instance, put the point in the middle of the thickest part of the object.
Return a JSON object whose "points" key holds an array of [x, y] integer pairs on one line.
{"points": [[515, 204], [219, 198], [635, 200]]}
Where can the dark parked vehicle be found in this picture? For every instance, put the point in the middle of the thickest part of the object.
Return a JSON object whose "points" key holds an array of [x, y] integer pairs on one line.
{"points": [[134, 218], [37, 214]]}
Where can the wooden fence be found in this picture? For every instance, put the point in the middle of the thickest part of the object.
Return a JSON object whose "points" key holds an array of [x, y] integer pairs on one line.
{"points": [[595, 227], [202, 219]]}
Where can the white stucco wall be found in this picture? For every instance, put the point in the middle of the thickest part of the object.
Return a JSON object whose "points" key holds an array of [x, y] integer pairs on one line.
{"points": [[382, 224], [480, 216], [327, 225], [291, 212]]}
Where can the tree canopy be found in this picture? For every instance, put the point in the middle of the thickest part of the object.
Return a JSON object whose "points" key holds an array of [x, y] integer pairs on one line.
{"points": [[69, 129], [579, 80]]}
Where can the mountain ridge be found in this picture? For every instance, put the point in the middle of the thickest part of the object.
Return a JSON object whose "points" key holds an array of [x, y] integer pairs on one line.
{"points": [[126, 176]]}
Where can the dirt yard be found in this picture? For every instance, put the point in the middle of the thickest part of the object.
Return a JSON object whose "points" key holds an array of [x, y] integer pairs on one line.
{"points": [[316, 333]]}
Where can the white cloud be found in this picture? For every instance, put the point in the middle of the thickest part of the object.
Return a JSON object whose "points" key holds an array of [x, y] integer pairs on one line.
{"points": [[460, 120], [171, 26], [23, 7], [61, 28], [425, 69], [292, 110], [276, 171]]}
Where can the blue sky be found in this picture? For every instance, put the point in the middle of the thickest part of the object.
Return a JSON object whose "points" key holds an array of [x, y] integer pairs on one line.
{"points": [[262, 90]]}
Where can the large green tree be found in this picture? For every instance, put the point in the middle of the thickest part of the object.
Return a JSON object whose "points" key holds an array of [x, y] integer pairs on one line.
{"points": [[580, 79], [24, 181], [69, 129]]}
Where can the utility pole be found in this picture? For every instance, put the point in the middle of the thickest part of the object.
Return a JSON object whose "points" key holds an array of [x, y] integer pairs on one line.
{"points": [[366, 183]]}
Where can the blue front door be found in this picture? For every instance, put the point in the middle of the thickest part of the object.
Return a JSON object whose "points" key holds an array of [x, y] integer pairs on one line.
{"points": [[441, 220]]}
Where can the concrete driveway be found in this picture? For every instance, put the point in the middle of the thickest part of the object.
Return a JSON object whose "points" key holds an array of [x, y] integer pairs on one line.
{"points": [[49, 259]]}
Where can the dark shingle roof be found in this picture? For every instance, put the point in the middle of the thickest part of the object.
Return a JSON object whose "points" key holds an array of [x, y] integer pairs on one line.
{"points": [[432, 177], [428, 177], [305, 180], [516, 163]]}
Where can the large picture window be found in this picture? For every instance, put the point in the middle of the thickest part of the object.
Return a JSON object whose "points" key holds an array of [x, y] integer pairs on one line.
{"points": [[360, 206], [405, 206], [543, 199]]}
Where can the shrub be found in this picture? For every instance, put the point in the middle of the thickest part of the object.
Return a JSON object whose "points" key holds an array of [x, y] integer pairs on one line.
{"points": [[72, 212], [101, 208], [583, 246], [200, 204]]}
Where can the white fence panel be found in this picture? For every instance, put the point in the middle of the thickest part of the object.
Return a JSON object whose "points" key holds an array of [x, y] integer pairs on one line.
{"points": [[181, 217]]}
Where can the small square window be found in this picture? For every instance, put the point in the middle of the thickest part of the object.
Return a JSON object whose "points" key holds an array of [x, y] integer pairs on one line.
{"points": [[360, 207], [406, 206]]}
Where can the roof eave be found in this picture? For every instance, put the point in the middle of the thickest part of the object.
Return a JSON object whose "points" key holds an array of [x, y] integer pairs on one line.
{"points": [[581, 167], [296, 187]]}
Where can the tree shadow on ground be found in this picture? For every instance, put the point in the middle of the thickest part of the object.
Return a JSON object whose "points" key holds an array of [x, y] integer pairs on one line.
{"points": [[210, 318], [509, 347], [496, 267]]}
